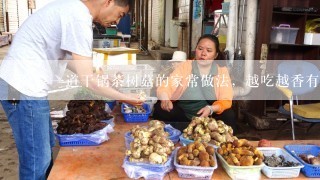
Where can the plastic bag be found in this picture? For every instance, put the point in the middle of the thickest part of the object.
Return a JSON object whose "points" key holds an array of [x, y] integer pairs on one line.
{"points": [[110, 122], [94, 138], [173, 135], [147, 170]]}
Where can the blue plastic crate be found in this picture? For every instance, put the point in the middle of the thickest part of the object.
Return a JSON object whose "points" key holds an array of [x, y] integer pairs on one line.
{"points": [[136, 117], [111, 104], [92, 139], [80, 142], [308, 169]]}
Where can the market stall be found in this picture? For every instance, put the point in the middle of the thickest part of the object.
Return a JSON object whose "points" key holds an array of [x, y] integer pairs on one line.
{"points": [[105, 161]]}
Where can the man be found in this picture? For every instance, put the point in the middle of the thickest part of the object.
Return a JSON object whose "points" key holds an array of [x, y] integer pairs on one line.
{"points": [[34, 61]]}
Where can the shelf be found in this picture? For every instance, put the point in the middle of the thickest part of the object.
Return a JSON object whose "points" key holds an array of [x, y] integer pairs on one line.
{"points": [[296, 14], [296, 45]]}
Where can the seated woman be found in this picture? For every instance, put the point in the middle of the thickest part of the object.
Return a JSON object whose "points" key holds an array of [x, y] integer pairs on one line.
{"points": [[180, 101]]}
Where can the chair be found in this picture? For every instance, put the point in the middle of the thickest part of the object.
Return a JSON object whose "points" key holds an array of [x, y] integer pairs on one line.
{"points": [[308, 112]]}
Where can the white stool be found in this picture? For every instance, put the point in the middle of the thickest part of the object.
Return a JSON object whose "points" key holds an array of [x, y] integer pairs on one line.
{"points": [[220, 15], [126, 37]]}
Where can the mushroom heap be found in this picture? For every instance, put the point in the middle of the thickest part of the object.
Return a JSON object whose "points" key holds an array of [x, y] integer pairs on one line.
{"points": [[240, 153], [207, 129], [150, 144], [196, 154], [83, 117]]}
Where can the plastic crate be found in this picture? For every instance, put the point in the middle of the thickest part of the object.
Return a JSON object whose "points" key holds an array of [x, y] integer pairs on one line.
{"points": [[194, 172], [225, 7], [173, 135], [308, 169], [130, 76], [92, 139], [280, 172], [147, 170], [283, 34], [136, 117], [111, 31], [111, 103], [241, 172]]}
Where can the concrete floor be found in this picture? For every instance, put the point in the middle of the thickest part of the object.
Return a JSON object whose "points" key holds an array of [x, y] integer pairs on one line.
{"points": [[9, 156]]}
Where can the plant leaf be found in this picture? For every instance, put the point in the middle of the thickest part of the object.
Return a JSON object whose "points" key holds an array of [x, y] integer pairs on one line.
{"points": [[312, 25]]}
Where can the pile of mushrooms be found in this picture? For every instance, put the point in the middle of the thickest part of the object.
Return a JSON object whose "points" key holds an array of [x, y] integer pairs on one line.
{"points": [[150, 144], [207, 129], [83, 117]]}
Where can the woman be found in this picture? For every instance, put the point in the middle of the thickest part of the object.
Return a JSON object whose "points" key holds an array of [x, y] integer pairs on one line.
{"points": [[179, 102]]}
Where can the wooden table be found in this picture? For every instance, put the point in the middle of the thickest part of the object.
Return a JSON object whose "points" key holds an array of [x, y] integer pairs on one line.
{"points": [[105, 161]]}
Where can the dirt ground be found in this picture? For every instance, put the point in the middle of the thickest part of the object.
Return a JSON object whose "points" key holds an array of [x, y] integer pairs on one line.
{"points": [[8, 152]]}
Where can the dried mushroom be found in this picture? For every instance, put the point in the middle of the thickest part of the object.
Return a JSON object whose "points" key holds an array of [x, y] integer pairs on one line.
{"points": [[83, 117], [278, 161]]}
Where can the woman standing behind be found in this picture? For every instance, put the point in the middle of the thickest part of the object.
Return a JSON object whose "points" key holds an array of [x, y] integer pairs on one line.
{"points": [[203, 89]]}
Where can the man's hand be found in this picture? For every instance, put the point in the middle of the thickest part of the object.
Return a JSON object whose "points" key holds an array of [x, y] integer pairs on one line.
{"points": [[166, 105], [133, 99]]}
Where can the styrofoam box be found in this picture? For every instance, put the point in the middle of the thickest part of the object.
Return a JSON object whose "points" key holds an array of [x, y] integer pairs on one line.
{"points": [[283, 35], [280, 172], [132, 76], [106, 43]]}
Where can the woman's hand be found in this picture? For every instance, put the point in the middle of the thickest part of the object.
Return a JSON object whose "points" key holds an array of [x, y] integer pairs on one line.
{"points": [[166, 105], [205, 111], [133, 99]]}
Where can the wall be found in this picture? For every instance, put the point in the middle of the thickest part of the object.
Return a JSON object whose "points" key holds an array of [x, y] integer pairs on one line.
{"points": [[161, 24], [168, 12], [184, 7], [150, 3], [154, 21], [159, 27], [2, 20], [196, 24], [18, 12]]}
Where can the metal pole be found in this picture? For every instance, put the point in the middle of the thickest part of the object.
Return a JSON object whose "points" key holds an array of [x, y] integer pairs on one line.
{"points": [[142, 49], [140, 17]]}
